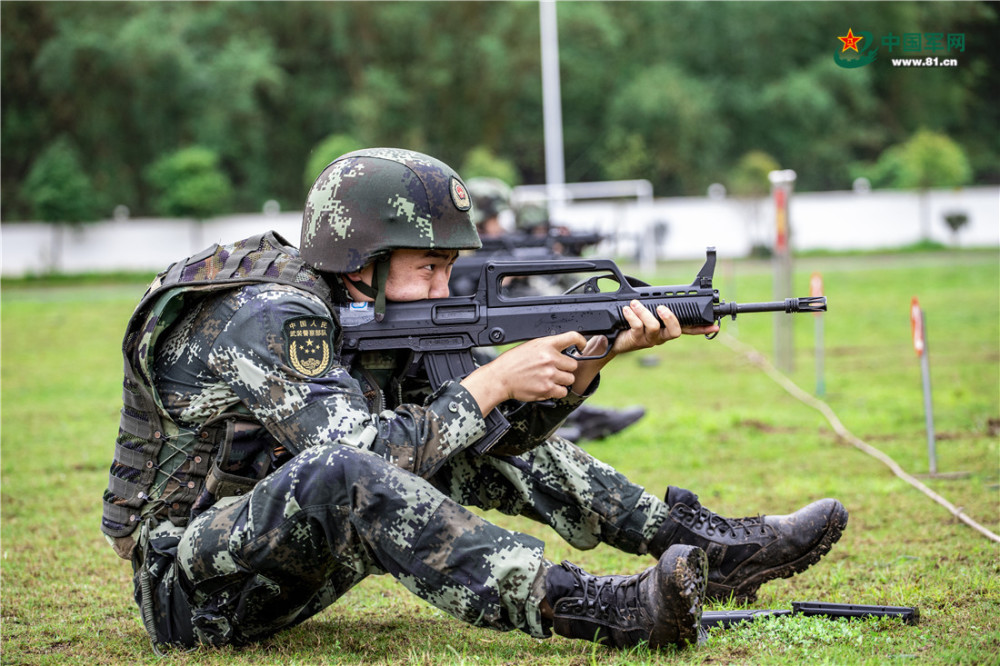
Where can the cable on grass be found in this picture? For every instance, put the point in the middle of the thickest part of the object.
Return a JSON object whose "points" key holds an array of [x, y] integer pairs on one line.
{"points": [[761, 362]]}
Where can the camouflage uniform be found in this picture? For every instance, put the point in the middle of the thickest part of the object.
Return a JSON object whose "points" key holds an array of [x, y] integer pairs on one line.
{"points": [[281, 478], [367, 491]]}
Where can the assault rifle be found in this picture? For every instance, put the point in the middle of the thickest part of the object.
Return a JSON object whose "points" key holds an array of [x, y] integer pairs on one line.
{"points": [[728, 618], [441, 333]]}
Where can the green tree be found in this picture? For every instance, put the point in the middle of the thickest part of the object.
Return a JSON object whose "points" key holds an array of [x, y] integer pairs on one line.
{"points": [[672, 125], [57, 188], [749, 178], [327, 151], [671, 92], [190, 183], [481, 162], [131, 81], [749, 184], [927, 159]]}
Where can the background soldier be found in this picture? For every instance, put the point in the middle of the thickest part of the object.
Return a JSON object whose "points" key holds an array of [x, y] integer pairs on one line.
{"points": [[257, 478]]}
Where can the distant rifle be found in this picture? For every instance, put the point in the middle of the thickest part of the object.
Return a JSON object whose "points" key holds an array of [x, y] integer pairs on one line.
{"points": [[468, 268], [573, 243], [828, 610], [520, 246], [441, 333]]}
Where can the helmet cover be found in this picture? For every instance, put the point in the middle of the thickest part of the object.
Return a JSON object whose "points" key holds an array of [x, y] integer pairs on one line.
{"points": [[369, 202], [490, 196]]}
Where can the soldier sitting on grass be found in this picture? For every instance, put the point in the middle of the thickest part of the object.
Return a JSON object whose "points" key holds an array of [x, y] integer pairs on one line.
{"points": [[257, 479]]}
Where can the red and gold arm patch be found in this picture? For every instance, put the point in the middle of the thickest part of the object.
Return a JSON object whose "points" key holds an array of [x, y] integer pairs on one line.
{"points": [[309, 344]]}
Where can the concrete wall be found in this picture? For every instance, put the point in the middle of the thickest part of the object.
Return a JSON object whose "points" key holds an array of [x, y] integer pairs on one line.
{"points": [[827, 220]]}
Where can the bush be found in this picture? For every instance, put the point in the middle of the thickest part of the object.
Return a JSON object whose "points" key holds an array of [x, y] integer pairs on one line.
{"points": [[749, 178], [928, 159], [327, 151], [481, 162], [57, 188], [190, 183]]}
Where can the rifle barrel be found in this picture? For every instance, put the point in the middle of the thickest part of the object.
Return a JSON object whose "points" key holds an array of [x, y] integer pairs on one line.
{"points": [[802, 304]]}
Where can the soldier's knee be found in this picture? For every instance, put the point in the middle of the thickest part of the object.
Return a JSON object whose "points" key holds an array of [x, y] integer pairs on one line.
{"points": [[328, 473]]}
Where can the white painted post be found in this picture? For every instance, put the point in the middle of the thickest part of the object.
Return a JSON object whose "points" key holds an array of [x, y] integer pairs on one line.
{"points": [[816, 289], [918, 325], [782, 183]]}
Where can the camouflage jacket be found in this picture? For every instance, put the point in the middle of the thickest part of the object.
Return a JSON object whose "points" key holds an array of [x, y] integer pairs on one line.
{"points": [[232, 367]]}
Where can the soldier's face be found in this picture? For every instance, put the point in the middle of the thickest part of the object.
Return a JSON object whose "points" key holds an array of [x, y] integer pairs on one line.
{"points": [[418, 274], [413, 275]]}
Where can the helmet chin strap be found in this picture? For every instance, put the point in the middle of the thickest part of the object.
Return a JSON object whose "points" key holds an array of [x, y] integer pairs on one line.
{"points": [[376, 290]]}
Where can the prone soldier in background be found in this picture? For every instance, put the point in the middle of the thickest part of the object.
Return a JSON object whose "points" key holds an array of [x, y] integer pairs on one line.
{"points": [[256, 479]]}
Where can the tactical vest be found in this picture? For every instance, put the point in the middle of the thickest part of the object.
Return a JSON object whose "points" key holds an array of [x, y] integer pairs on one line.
{"points": [[161, 468]]}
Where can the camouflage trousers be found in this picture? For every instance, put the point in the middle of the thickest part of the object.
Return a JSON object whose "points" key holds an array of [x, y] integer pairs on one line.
{"points": [[334, 514]]}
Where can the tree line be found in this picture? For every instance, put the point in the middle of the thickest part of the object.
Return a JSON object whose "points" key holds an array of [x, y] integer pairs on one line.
{"points": [[196, 109]]}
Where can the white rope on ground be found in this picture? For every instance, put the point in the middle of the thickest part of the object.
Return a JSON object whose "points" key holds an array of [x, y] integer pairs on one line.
{"points": [[761, 361]]}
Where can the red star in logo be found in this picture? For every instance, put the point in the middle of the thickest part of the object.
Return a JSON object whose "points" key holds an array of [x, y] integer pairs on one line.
{"points": [[850, 41]]}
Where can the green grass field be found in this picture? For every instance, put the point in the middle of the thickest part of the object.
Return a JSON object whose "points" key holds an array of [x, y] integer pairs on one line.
{"points": [[716, 424]]}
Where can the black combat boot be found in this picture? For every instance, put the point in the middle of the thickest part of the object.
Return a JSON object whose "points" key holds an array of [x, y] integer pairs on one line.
{"points": [[661, 605], [587, 422], [744, 553]]}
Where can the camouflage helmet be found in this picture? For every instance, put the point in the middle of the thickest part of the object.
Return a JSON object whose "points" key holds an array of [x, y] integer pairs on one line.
{"points": [[367, 203], [532, 215], [490, 196]]}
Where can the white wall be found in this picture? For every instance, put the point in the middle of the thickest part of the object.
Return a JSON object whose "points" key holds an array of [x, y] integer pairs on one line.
{"points": [[831, 220], [823, 220]]}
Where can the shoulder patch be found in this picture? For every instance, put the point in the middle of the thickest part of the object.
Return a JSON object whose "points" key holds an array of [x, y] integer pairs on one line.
{"points": [[459, 195], [309, 344]]}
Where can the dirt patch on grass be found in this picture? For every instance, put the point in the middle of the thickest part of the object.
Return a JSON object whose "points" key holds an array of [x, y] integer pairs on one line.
{"points": [[760, 426]]}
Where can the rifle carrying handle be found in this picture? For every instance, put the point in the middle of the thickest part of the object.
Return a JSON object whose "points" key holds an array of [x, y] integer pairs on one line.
{"points": [[443, 366]]}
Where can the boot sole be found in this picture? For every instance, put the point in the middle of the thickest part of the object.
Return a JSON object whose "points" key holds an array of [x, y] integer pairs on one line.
{"points": [[746, 592], [683, 592]]}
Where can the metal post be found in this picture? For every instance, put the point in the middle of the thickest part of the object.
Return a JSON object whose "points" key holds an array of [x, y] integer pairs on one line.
{"points": [[551, 95], [782, 183]]}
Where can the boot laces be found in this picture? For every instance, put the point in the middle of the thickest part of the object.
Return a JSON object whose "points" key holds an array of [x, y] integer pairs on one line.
{"points": [[604, 595], [697, 516]]}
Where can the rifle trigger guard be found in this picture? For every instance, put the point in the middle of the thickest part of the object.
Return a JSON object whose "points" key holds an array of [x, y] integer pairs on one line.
{"points": [[573, 352], [712, 336]]}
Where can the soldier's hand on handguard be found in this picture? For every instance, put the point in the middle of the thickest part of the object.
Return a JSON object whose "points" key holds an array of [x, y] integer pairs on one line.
{"points": [[644, 332], [532, 371]]}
